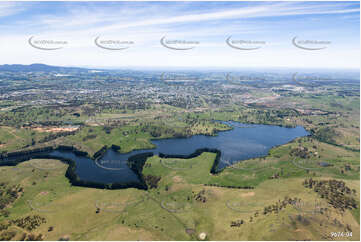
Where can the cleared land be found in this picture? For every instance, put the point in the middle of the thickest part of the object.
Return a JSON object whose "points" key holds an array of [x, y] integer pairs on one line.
{"points": [[187, 201], [172, 212]]}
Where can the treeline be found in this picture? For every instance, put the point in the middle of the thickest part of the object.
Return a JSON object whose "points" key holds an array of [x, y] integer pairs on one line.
{"points": [[196, 153], [325, 134], [158, 131], [100, 153], [278, 206], [53, 136], [228, 186], [25, 152], [73, 149], [136, 164], [115, 147]]}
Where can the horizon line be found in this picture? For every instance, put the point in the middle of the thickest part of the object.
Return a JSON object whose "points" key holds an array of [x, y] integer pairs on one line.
{"points": [[187, 67]]}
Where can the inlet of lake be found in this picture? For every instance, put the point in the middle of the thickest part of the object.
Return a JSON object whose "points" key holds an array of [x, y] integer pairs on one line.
{"points": [[244, 141]]}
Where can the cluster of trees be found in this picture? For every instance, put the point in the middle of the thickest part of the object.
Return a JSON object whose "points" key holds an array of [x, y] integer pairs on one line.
{"points": [[52, 136], [275, 176], [107, 129], [178, 132], [31, 237], [266, 116], [158, 131], [19, 116], [237, 223], [278, 206], [115, 147], [89, 136], [201, 196], [30, 116], [9, 235], [4, 225], [152, 181], [301, 152], [8, 194], [334, 191], [29, 222], [325, 134]]}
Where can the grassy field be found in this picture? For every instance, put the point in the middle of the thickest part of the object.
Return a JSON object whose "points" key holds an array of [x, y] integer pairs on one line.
{"points": [[172, 212], [15, 139]]}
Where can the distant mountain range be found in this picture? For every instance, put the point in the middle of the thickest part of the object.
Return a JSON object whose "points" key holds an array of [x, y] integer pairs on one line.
{"points": [[39, 67]]}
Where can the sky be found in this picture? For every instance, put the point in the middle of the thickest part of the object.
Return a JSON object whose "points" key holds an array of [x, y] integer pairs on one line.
{"points": [[267, 30]]}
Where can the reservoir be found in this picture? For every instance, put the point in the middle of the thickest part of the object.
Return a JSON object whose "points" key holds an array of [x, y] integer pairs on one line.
{"points": [[243, 142]]}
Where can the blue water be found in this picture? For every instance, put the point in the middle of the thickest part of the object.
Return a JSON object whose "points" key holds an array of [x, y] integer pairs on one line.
{"points": [[241, 143]]}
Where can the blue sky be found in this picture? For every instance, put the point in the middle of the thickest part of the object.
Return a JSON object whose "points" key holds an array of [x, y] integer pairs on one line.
{"points": [[209, 23]]}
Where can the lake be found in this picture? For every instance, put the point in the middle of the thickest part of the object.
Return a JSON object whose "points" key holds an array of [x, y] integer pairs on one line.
{"points": [[243, 142]]}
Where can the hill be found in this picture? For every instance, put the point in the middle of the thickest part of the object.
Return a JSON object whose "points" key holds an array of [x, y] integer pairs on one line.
{"points": [[39, 68]]}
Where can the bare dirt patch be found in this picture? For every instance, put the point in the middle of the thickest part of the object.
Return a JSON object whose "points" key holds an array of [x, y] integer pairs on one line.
{"points": [[177, 179], [56, 129], [248, 194]]}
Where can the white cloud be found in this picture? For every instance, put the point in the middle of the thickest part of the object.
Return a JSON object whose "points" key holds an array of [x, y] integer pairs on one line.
{"points": [[10, 8]]}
